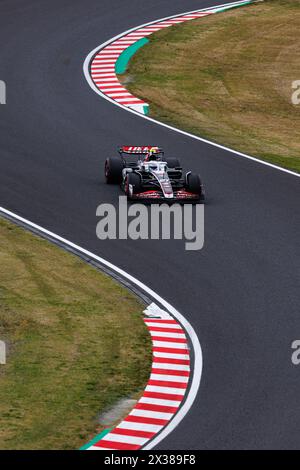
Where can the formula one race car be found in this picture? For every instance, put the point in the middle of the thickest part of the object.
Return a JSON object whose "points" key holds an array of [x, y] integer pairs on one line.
{"points": [[144, 174]]}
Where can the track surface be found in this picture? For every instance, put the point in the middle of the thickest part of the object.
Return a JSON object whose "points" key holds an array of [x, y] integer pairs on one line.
{"points": [[241, 292]]}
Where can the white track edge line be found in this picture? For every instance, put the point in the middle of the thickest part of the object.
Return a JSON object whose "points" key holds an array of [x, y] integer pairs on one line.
{"points": [[198, 358], [193, 136]]}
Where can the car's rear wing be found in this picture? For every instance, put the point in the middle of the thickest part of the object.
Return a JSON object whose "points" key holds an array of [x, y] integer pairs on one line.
{"points": [[143, 150]]}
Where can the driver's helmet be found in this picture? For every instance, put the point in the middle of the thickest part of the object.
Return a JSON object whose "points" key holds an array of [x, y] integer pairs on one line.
{"points": [[152, 155]]}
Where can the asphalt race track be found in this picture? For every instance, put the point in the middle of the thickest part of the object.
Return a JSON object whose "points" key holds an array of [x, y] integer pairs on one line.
{"points": [[240, 293]]}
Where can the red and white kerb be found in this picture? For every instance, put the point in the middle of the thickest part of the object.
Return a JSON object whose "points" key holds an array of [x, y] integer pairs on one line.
{"points": [[165, 390], [102, 67]]}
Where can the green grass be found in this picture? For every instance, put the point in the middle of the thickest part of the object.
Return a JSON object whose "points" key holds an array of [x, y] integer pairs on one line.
{"points": [[76, 344], [228, 77]]}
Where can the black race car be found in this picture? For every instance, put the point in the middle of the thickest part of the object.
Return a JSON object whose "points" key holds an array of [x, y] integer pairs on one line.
{"points": [[144, 174]]}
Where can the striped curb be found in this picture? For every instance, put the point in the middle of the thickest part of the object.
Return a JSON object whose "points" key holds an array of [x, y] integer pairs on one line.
{"points": [[103, 65], [165, 390]]}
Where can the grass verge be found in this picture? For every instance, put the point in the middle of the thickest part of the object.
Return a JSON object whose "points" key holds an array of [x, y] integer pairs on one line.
{"points": [[76, 344], [228, 77]]}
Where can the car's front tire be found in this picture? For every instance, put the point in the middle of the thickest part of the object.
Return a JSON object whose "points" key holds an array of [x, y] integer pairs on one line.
{"points": [[134, 180], [113, 170], [194, 184]]}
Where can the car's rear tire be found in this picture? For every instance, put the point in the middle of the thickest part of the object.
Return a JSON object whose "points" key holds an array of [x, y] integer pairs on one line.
{"points": [[113, 170], [173, 163], [193, 184], [135, 180]]}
